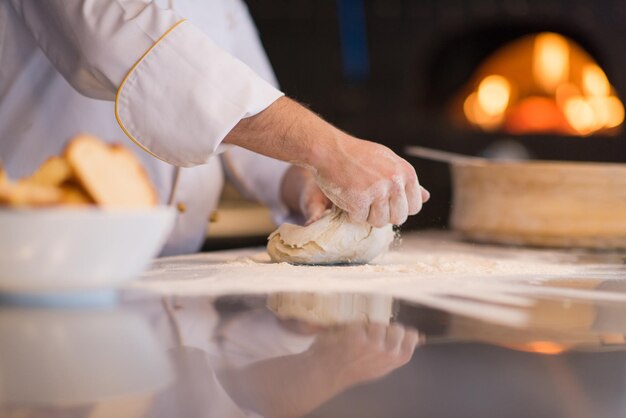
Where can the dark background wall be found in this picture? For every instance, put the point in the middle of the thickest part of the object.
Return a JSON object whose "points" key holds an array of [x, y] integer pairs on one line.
{"points": [[419, 54]]}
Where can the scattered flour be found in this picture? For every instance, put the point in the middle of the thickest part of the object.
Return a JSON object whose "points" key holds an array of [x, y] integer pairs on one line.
{"points": [[429, 269]]}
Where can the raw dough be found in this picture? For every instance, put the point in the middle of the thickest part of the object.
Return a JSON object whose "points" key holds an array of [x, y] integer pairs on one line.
{"points": [[333, 239]]}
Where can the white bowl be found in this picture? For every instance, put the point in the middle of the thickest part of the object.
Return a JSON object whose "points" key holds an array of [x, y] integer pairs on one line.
{"points": [[57, 250]]}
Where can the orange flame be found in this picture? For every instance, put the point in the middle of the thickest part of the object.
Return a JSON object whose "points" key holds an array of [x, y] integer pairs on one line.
{"points": [[565, 91]]}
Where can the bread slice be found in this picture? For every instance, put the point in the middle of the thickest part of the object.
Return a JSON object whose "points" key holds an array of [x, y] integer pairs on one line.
{"points": [[3, 175], [28, 195], [53, 172], [110, 174], [74, 195]]}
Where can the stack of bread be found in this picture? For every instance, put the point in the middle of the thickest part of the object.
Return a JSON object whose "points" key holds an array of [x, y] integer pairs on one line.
{"points": [[88, 173]]}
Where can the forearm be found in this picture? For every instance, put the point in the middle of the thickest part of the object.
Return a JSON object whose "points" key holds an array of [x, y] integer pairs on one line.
{"points": [[290, 386], [286, 131], [367, 180]]}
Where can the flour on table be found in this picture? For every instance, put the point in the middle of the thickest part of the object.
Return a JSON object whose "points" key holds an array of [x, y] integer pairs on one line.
{"points": [[485, 282], [333, 239]]}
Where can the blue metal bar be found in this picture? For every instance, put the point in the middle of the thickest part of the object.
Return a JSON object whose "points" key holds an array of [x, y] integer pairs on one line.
{"points": [[353, 35]]}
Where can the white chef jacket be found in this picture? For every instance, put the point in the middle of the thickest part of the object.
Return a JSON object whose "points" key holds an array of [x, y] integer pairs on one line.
{"points": [[172, 76]]}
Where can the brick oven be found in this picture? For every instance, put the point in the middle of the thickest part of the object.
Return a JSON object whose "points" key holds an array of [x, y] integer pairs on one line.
{"points": [[423, 57]]}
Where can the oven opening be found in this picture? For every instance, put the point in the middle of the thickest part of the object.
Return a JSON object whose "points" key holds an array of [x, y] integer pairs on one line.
{"points": [[543, 83]]}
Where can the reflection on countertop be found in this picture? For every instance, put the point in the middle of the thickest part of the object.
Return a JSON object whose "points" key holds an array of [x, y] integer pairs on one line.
{"points": [[440, 328], [290, 354]]}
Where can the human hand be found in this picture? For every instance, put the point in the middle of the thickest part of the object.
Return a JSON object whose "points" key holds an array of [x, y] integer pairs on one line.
{"points": [[363, 352], [369, 181], [301, 193]]}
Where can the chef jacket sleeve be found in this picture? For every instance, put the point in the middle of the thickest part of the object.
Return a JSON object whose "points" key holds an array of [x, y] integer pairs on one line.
{"points": [[257, 177], [177, 95]]}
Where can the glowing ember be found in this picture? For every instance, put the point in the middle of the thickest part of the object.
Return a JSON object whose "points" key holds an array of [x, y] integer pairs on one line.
{"points": [[543, 347], [550, 60], [493, 95], [595, 82], [536, 115], [543, 83], [580, 115]]}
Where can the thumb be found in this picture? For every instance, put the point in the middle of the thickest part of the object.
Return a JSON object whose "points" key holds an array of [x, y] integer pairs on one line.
{"points": [[314, 211], [315, 206]]}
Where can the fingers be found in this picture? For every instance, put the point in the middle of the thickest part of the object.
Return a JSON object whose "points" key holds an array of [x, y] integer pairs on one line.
{"points": [[356, 332], [359, 214], [315, 212], [313, 202], [315, 209], [395, 206], [376, 335], [425, 195], [379, 213], [414, 196], [398, 205], [404, 200], [391, 206], [371, 183], [410, 341], [395, 337]]}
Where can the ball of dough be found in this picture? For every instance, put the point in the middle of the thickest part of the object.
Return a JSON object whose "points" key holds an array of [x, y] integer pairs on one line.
{"points": [[333, 239]]}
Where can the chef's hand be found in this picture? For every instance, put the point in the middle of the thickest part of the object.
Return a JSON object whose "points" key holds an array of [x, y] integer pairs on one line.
{"points": [[370, 182], [302, 194], [365, 179]]}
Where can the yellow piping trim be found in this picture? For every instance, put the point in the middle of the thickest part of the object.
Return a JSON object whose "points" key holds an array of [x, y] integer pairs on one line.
{"points": [[132, 69]]}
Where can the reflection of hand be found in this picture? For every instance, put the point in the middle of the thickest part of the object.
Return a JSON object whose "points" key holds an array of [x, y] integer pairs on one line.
{"points": [[339, 358], [363, 352]]}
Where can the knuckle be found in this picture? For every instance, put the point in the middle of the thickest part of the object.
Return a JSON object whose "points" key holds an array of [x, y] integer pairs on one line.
{"points": [[408, 168], [396, 185]]}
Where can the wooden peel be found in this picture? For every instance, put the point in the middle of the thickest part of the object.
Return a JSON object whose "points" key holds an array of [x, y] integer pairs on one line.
{"points": [[537, 203], [443, 156]]}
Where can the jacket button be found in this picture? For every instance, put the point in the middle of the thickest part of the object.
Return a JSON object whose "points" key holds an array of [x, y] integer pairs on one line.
{"points": [[182, 208], [214, 217]]}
